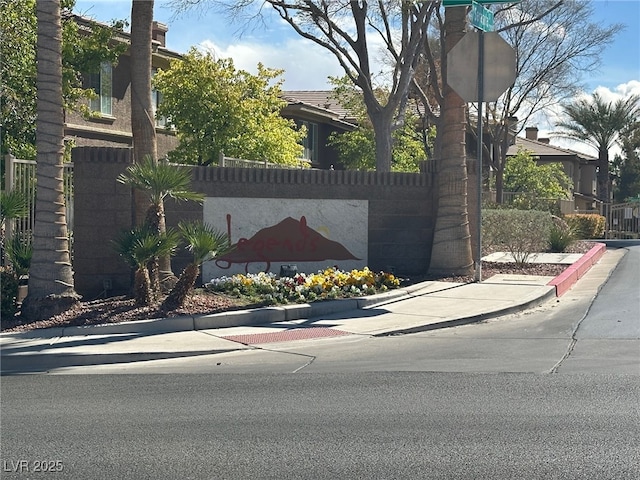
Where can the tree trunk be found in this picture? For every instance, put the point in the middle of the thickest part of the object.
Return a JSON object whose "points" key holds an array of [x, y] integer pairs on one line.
{"points": [[142, 115], [603, 190], [143, 123], [451, 252], [179, 293], [51, 286], [383, 141], [499, 186], [142, 287]]}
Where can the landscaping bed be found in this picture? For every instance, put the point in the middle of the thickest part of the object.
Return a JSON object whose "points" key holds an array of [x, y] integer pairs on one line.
{"points": [[202, 301]]}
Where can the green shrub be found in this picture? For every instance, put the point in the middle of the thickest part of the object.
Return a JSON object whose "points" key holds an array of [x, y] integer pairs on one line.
{"points": [[560, 235], [9, 292], [527, 202], [586, 225], [520, 232], [19, 250]]}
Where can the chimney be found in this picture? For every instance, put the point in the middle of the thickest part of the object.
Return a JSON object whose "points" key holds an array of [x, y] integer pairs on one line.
{"points": [[531, 133], [159, 33]]}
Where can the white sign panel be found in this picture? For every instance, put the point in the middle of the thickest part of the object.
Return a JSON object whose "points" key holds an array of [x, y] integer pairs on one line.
{"points": [[268, 233]]}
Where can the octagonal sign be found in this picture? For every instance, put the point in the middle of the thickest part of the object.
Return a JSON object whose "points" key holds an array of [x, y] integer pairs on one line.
{"points": [[499, 66]]}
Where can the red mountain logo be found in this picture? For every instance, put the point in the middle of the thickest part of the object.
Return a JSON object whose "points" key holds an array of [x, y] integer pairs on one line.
{"points": [[288, 241]]}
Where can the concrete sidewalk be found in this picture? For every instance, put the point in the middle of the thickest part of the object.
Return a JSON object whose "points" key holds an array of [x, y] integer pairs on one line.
{"points": [[425, 306]]}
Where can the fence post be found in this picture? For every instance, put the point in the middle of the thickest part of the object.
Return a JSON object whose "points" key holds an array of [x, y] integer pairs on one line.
{"points": [[221, 159], [9, 180]]}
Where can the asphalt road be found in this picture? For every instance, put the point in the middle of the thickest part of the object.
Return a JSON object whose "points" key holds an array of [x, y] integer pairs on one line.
{"points": [[316, 426]]}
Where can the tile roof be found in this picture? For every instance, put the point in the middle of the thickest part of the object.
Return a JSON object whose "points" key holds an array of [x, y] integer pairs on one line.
{"points": [[542, 149], [317, 98]]}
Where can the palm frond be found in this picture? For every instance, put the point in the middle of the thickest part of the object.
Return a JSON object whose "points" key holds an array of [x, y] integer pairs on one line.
{"points": [[139, 245], [13, 204], [19, 250], [159, 180], [203, 241]]}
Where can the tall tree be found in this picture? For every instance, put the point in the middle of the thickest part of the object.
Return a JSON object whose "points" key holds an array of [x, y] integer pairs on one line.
{"points": [[216, 108], [599, 124], [143, 122], [556, 43], [356, 148], [51, 287], [628, 181], [346, 28], [451, 252]]}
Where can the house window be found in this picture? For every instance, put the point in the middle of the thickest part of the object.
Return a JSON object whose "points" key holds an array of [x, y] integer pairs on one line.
{"points": [[156, 98], [310, 142], [101, 83]]}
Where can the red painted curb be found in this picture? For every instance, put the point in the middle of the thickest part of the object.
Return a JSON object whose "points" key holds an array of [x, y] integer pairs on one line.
{"points": [[572, 274]]}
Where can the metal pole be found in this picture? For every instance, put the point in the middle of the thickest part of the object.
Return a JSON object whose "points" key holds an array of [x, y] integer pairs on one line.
{"points": [[478, 272]]}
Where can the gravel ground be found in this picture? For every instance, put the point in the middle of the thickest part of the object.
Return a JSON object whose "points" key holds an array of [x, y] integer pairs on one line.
{"points": [[121, 309]]}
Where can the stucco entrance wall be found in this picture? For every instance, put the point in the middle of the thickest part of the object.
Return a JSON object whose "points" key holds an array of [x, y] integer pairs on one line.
{"points": [[381, 220]]}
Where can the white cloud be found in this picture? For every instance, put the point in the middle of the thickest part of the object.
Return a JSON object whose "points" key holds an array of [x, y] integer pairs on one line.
{"points": [[306, 66]]}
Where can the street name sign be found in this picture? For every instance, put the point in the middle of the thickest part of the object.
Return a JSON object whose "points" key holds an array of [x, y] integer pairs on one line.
{"points": [[481, 17], [467, 3]]}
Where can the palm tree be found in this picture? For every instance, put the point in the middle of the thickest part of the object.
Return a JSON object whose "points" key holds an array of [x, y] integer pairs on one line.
{"points": [[451, 251], [51, 287], [159, 180], [599, 124], [205, 244], [138, 247]]}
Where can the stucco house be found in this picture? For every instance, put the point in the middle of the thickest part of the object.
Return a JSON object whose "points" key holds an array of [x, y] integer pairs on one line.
{"points": [[580, 168], [111, 126]]}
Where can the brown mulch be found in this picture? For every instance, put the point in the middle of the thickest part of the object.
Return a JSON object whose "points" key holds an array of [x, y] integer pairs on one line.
{"points": [[122, 309]]}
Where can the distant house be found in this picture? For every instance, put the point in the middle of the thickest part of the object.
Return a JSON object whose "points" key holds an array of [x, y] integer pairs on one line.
{"points": [[322, 115], [580, 168], [111, 127]]}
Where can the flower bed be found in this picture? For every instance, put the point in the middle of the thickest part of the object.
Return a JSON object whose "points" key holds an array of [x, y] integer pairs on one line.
{"points": [[327, 284]]}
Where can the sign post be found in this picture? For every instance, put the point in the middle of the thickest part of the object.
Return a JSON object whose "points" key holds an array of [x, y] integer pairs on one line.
{"points": [[493, 69], [479, 149]]}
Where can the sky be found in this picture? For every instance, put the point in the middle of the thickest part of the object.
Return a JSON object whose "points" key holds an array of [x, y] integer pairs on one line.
{"points": [[307, 66]]}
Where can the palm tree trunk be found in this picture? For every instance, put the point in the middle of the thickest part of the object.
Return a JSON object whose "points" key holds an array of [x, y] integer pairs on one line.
{"points": [[451, 251], [179, 293], [603, 176], [142, 294], [162, 277], [143, 125], [51, 286]]}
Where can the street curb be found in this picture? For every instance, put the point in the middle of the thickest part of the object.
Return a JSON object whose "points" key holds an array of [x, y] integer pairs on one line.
{"points": [[236, 318], [534, 302], [577, 270]]}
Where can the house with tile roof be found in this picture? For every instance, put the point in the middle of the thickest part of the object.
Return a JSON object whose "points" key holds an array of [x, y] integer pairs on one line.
{"points": [[580, 168], [322, 115]]}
